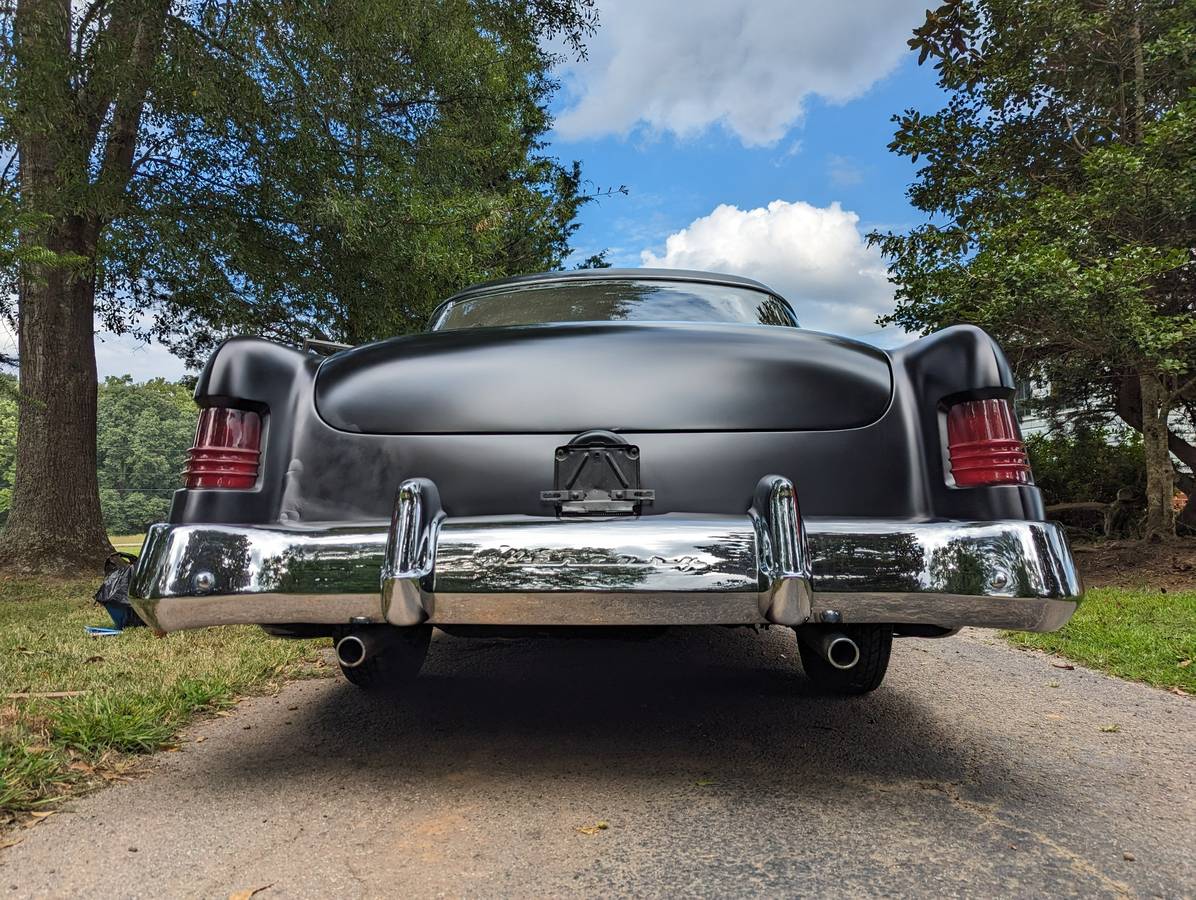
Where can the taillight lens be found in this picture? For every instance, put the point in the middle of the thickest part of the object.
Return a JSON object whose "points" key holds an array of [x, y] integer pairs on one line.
{"points": [[985, 444], [227, 447]]}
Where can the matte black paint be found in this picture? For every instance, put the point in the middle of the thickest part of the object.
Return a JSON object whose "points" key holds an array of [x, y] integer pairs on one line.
{"points": [[626, 377], [893, 466]]}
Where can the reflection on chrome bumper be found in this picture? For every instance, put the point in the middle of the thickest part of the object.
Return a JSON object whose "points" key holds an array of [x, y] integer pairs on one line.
{"points": [[768, 566]]}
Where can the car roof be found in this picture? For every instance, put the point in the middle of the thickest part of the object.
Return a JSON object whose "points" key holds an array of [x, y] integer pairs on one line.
{"points": [[679, 275]]}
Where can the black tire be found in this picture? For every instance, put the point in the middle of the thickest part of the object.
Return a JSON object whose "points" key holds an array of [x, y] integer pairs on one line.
{"points": [[395, 666], [875, 643]]}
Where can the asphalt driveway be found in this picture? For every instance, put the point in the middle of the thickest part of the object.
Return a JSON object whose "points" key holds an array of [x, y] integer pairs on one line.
{"points": [[974, 770]]}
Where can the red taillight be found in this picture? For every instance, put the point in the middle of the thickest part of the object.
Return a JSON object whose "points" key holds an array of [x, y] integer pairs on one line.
{"points": [[985, 444], [227, 446]]}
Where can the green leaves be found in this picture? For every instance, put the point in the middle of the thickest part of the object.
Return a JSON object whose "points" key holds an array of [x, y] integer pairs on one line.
{"points": [[144, 431], [1059, 182], [1063, 223], [298, 169]]}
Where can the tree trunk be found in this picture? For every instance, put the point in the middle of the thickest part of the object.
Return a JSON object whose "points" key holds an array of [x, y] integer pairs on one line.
{"points": [[55, 526], [1160, 474], [1129, 409]]}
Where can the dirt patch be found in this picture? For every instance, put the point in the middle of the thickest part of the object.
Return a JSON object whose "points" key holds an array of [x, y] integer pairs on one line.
{"points": [[1170, 566]]}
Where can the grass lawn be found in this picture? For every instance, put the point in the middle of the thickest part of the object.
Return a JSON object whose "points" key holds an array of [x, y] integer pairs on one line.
{"points": [[1133, 633], [127, 543], [138, 691]]}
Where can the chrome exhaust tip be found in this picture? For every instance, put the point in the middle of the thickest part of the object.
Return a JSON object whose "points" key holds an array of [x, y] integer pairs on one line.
{"points": [[836, 648], [352, 651], [840, 651]]}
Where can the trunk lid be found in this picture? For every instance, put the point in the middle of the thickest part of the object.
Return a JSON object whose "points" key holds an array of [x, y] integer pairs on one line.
{"points": [[628, 377]]}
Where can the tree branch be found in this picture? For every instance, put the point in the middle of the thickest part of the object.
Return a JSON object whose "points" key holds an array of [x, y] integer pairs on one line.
{"points": [[116, 168]]}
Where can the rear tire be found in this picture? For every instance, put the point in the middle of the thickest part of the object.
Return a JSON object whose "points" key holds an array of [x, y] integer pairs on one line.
{"points": [[875, 643], [395, 666]]}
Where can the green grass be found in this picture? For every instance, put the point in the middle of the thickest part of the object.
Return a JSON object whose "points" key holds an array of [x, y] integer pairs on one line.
{"points": [[1132, 633], [127, 543], [140, 690]]}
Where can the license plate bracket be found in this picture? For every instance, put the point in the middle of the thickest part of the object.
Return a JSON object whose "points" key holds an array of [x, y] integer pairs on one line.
{"points": [[597, 475]]}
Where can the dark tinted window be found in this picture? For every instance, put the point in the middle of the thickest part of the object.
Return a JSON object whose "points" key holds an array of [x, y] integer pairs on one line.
{"points": [[611, 300]]}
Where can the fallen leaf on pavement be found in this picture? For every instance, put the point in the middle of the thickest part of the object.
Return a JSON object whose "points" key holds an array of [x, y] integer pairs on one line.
{"points": [[200, 739], [1067, 666], [11, 842], [42, 815], [1128, 857], [591, 829], [248, 892], [1178, 691], [1111, 728]]}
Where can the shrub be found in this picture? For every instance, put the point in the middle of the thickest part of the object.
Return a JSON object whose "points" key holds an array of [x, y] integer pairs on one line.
{"points": [[1087, 464]]}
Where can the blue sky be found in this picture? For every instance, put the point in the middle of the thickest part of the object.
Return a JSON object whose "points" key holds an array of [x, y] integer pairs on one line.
{"points": [[837, 153], [752, 137]]}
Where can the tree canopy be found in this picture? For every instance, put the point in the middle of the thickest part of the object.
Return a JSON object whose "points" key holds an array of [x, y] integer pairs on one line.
{"points": [[1060, 184], [186, 169]]}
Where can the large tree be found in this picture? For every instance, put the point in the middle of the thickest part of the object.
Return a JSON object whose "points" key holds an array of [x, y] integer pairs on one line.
{"points": [[185, 168], [1060, 180]]}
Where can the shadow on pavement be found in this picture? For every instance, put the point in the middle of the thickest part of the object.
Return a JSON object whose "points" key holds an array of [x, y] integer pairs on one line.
{"points": [[731, 706]]}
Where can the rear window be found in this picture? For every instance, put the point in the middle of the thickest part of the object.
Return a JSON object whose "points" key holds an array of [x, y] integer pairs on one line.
{"points": [[613, 300]]}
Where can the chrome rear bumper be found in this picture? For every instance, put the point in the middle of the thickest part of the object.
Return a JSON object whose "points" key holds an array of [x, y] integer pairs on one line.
{"points": [[768, 566]]}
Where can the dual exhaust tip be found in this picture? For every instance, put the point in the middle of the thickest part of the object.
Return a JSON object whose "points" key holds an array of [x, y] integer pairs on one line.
{"points": [[356, 648]]}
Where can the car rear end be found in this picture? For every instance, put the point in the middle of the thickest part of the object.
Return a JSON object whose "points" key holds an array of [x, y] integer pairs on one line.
{"points": [[617, 472]]}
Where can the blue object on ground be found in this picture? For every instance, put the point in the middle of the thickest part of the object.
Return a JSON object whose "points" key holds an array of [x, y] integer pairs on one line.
{"points": [[97, 631]]}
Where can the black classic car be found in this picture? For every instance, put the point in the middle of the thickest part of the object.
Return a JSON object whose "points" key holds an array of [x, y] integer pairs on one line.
{"points": [[569, 452]]}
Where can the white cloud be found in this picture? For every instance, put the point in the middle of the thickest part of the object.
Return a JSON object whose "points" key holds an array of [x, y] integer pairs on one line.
{"points": [[684, 65], [816, 257]]}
